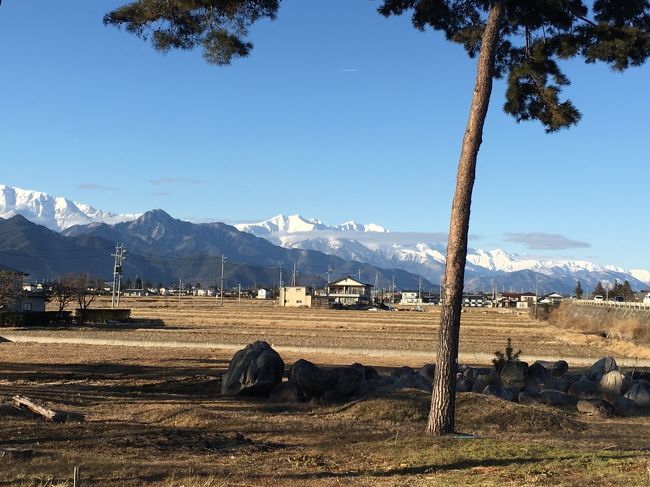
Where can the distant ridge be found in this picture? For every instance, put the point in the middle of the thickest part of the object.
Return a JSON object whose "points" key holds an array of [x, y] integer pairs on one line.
{"points": [[54, 212]]}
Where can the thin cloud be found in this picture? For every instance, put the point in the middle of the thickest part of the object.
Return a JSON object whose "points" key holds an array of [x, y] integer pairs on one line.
{"points": [[545, 241], [96, 187], [174, 180], [348, 70]]}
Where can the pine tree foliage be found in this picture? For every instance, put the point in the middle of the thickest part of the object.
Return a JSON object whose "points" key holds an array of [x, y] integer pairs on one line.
{"points": [[535, 36], [220, 27], [578, 292]]}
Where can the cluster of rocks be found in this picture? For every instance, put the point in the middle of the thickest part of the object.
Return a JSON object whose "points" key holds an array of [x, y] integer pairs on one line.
{"points": [[259, 370], [603, 391]]}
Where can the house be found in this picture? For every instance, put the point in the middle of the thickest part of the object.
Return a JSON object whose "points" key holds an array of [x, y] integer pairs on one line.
{"points": [[411, 298], [349, 292], [296, 296], [30, 302], [473, 300], [553, 298], [517, 300], [263, 294]]}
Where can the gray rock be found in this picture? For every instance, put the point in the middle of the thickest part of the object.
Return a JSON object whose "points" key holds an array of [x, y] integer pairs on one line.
{"points": [[500, 392], [557, 369], [529, 398], [403, 371], [602, 367], [584, 388], [255, 369], [311, 380], [596, 407], [484, 380], [624, 407], [538, 378], [463, 385], [639, 393], [556, 398], [514, 374], [344, 382], [564, 383], [614, 384], [472, 373], [428, 371], [285, 392]]}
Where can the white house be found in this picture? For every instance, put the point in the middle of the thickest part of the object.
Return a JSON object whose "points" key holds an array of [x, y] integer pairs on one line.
{"points": [[295, 296], [349, 291], [263, 294]]}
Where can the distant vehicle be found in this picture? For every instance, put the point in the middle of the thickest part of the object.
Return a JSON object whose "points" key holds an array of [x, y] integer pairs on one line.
{"points": [[619, 299], [598, 297], [646, 300]]}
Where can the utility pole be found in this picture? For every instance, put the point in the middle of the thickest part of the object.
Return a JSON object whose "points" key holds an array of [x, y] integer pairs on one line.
{"points": [[117, 274], [392, 294], [239, 295], [359, 273], [293, 275], [180, 290], [536, 293], [223, 260], [327, 288]]}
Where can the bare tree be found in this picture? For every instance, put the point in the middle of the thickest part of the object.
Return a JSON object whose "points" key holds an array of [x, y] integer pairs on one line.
{"points": [[10, 287], [63, 292], [84, 288]]}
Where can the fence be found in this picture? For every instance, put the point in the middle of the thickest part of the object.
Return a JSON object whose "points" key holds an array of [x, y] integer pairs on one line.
{"points": [[614, 304]]}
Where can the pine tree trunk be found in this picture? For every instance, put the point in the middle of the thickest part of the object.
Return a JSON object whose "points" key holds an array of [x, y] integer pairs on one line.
{"points": [[441, 416]]}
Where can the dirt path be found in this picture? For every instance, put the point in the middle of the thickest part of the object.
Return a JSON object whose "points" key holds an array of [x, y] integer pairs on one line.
{"points": [[471, 358]]}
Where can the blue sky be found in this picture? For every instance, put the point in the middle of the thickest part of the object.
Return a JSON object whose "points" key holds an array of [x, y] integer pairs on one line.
{"points": [[338, 114]]}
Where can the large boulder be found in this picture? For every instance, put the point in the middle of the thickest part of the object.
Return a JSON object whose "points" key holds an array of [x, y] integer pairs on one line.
{"points": [[614, 384], [344, 382], [407, 378], [584, 388], [640, 394], [602, 367], [514, 374], [596, 407], [428, 371], [285, 392], [557, 369], [624, 406], [564, 382], [255, 369], [329, 385], [486, 379], [556, 398], [538, 378], [501, 393]]}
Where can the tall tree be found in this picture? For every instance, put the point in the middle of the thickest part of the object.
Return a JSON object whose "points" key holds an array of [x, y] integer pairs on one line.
{"points": [[599, 290], [518, 39], [523, 40], [578, 292], [220, 27]]}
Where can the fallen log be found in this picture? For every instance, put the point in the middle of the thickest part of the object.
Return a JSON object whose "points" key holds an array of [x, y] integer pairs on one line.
{"points": [[48, 414]]}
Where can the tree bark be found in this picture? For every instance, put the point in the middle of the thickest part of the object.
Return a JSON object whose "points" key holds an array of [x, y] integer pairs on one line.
{"points": [[441, 415]]}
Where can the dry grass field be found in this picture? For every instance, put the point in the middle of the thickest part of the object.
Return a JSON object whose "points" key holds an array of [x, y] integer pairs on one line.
{"points": [[154, 416]]}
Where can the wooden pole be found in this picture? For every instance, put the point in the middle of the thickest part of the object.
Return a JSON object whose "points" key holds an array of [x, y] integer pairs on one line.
{"points": [[77, 477]]}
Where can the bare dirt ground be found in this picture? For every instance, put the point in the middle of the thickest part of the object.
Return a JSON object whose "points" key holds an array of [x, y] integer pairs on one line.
{"points": [[154, 416]]}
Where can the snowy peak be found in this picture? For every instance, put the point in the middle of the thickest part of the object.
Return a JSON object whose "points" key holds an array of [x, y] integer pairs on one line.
{"points": [[642, 275], [281, 224], [55, 213]]}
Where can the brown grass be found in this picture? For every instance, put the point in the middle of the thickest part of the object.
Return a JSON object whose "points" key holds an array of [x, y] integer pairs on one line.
{"points": [[611, 327]]}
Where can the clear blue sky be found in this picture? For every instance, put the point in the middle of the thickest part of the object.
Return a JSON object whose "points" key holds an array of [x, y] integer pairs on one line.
{"points": [[338, 114]]}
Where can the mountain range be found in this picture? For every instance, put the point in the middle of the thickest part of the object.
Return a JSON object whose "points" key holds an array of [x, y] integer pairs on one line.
{"points": [[164, 248], [421, 254]]}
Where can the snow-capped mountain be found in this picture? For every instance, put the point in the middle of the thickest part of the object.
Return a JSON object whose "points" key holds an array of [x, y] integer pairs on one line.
{"points": [[642, 275], [419, 254], [281, 224], [55, 213]]}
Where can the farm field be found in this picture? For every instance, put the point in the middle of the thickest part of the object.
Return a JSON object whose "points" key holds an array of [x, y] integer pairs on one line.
{"points": [[154, 415]]}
